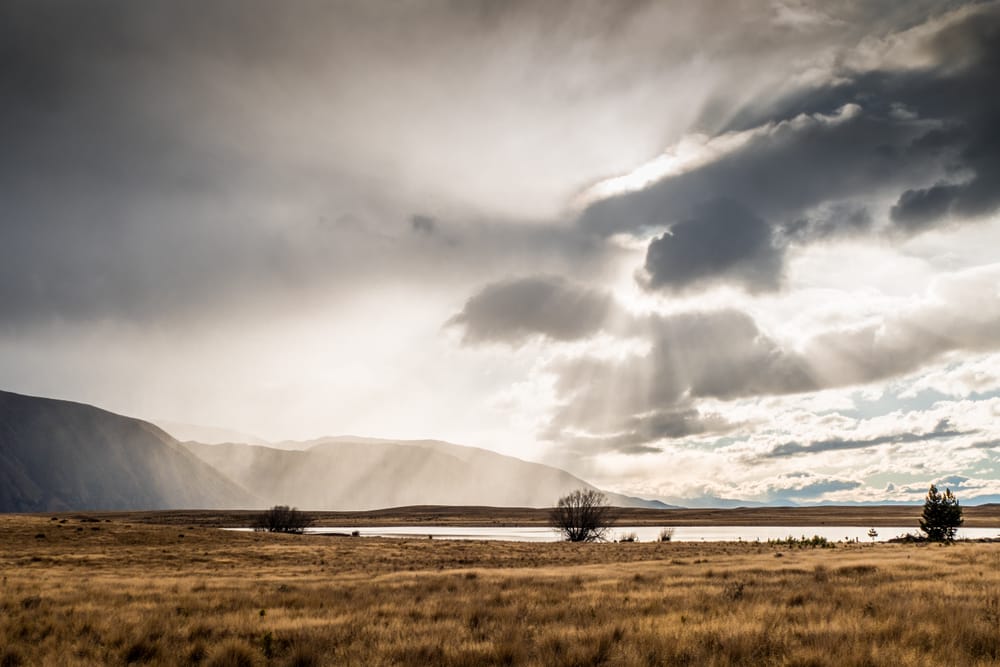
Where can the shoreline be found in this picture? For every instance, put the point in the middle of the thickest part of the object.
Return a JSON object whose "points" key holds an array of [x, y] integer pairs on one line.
{"points": [[875, 516]]}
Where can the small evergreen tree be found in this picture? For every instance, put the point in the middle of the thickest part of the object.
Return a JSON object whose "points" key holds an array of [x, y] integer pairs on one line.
{"points": [[942, 515]]}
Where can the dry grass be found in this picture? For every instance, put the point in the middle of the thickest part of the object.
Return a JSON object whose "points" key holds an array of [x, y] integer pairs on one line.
{"points": [[76, 592]]}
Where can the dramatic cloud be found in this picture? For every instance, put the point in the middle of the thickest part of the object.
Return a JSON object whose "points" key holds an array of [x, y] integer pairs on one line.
{"points": [[629, 403], [634, 434], [942, 431], [960, 312], [799, 487], [835, 159], [515, 310], [722, 242], [645, 398]]}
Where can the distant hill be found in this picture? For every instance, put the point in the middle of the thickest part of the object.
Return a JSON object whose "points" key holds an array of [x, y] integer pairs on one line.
{"points": [[211, 435], [352, 473], [59, 455]]}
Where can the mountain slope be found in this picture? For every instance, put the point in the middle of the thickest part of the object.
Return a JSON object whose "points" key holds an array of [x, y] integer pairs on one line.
{"points": [[59, 455], [349, 473]]}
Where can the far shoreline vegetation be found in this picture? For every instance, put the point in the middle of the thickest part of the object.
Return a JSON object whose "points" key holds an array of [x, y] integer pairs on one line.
{"points": [[585, 515], [877, 516]]}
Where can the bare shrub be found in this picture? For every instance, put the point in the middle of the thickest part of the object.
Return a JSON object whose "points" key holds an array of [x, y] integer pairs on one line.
{"points": [[666, 534], [582, 516], [282, 519]]}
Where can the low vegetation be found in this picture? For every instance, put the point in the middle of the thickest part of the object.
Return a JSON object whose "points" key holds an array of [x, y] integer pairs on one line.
{"points": [[814, 542], [941, 517], [282, 519], [583, 516], [75, 591]]}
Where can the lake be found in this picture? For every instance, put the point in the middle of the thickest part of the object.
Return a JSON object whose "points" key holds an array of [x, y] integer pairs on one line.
{"points": [[645, 533]]}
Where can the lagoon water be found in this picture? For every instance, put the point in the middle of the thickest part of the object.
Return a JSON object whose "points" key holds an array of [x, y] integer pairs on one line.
{"points": [[646, 533]]}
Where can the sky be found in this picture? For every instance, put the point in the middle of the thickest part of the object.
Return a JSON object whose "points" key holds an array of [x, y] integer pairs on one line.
{"points": [[691, 251]]}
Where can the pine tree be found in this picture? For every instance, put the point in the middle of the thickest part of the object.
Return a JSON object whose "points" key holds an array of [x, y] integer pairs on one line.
{"points": [[941, 517]]}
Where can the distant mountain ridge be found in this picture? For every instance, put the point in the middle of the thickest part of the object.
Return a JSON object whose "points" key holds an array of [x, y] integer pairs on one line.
{"points": [[352, 473], [478, 454], [210, 435], [60, 455]]}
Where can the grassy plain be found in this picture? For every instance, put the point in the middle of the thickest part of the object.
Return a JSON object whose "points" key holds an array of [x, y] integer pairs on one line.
{"points": [[80, 591]]}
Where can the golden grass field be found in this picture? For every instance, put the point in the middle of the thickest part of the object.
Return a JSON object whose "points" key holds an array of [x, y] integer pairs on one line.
{"points": [[80, 591]]}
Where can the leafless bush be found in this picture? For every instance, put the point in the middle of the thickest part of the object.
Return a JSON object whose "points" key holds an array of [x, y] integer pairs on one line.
{"points": [[282, 519], [582, 516]]}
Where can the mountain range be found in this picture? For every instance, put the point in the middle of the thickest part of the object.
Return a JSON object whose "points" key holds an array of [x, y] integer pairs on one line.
{"points": [[59, 455], [350, 472]]}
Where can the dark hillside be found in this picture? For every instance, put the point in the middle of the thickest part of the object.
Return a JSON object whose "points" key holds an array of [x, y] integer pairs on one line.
{"points": [[59, 455]]}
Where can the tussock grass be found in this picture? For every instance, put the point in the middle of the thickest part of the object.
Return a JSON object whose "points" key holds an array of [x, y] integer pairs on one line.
{"points": [[141, 594]]}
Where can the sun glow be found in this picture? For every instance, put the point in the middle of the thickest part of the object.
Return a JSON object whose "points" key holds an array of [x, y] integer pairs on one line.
{"points": [[697, 150], [690, 152]]}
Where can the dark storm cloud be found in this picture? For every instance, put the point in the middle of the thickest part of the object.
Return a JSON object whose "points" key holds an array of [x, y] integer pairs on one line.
{"points": [[722, 242], [985, 444], [966, 141], [942, 430], [814, 162], [973, 47], [780, 183], [920, 209], [634, 434], [516, 310], [422, 224], [975, 135]]}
